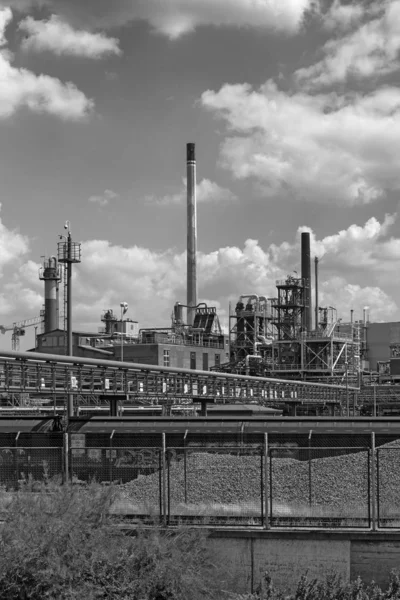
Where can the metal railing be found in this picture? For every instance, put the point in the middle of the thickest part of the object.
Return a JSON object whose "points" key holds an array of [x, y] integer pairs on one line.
{"points": [[265, 481], [46, 373]]}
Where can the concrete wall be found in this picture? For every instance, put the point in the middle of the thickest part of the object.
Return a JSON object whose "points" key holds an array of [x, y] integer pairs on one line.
{"points": [[379, 338], [287, 555]]}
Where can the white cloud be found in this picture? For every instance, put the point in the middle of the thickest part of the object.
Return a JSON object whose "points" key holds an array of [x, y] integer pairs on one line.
{"points": [[175, 18], [5, 19], [13, 246], [360, 262], [206, 192], [40, 93], [323, 148], [104, 198], [369, 51], [341, 17], [56, 36]]}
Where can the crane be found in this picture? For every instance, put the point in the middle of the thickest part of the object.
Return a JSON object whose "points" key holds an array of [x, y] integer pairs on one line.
{"points": [[18, 329]]}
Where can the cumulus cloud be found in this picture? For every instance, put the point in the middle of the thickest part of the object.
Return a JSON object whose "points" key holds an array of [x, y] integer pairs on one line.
{"points": [[104, 198], [369, 51], [40, 93], [358, 267], [341, 17], [322, 147], [175, 18], [56, 36], [206, 192]]}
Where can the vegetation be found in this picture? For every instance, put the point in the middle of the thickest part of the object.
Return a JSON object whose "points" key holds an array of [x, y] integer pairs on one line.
{"points": [[330, 588], [58, 542]]}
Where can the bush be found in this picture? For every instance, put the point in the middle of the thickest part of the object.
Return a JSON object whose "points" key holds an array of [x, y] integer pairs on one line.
{"points": [[330, 588], [59, 542]]}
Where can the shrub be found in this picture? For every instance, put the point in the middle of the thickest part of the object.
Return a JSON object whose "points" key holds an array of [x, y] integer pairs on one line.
{"points": [[59, 542], [330, 588]]}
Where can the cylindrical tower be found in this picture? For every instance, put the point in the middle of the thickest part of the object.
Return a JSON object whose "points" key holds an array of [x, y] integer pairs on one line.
{"points": [[306, 276], [191, 232], [50, 274]]}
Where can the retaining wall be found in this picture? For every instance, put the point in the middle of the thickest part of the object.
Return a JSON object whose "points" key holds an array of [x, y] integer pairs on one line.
{"points": [[287, 555]]}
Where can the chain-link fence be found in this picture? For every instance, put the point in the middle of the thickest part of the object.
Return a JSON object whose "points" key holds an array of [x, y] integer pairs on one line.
{"points": [[215, 485], [319, 487], [388, 485], [23, 464], [280, 480]]}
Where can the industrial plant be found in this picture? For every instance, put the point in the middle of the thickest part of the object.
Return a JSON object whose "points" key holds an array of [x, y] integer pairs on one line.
{"points": [[286, 337]]}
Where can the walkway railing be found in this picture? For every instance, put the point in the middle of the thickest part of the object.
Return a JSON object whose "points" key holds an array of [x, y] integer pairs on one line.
{"points": [[49, 374]]}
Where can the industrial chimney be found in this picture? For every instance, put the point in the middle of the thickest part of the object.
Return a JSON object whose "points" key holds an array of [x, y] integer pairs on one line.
{"points": [[306, 276], [191, 232], [50, 274]]}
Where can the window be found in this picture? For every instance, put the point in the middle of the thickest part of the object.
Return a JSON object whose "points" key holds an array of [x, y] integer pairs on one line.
{"points": [[217, 360], [166, 358], [205, 361], [193, 360]]}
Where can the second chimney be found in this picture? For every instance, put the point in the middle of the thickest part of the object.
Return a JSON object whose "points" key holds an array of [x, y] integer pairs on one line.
{"points": [[306, 276], [191, 233]]}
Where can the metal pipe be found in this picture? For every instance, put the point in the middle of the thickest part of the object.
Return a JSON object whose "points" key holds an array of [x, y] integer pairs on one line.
{"points": [[191, 232], [306, 276], [316, 294], [40, 358]]}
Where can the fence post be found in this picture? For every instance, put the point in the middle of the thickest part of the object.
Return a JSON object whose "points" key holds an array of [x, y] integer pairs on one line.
{"points": [[266, 483], [110, 463], [185, 463], [66, 458], [309, 471], [16, 460], [164, 479], [373, 480]]}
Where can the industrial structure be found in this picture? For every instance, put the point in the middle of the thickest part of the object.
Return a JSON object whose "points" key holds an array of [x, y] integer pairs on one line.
{"points": [[275, 336], [288, 336]]}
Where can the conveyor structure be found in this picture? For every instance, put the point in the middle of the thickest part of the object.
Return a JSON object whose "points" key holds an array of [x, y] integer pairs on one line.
{"points": [[48, 374]]}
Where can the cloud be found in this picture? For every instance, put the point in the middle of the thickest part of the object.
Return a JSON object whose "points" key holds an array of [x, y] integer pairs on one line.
{"points": [[13, 246], [369, 51], [322, 148], [104, 199], [360, 262], [175, 18], [56, 36], [341, 17], [206, 192], [40, 93]]}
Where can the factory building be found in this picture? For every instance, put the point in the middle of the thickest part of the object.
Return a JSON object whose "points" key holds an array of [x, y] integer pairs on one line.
{"points": [[382, 342], [202, 347]]}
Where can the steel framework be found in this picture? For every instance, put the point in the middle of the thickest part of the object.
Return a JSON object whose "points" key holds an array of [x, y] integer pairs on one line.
{"points": [[20, 372]]}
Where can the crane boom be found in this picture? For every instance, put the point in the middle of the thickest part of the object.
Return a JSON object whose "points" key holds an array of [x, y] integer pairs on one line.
{"points": [[18, 329], [25, 323]]}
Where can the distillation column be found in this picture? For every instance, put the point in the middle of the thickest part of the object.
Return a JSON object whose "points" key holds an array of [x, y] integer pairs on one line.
{"points": [[191, 232]]}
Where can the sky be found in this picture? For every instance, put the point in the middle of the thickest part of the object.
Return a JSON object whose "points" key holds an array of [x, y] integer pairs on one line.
{"points": [[294, 107]]}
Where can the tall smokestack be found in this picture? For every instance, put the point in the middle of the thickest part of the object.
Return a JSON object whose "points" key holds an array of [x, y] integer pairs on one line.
{"points": [[51, 275], [316, 294], [306, 276], [191, 232]]}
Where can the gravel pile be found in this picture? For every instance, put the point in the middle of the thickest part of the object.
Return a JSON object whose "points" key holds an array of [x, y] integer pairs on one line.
{"points": [[337, 482]]}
